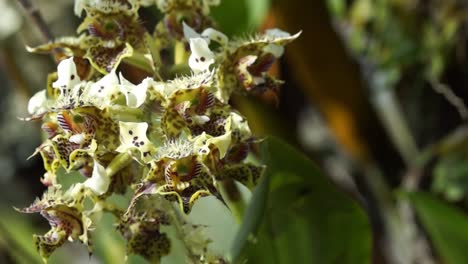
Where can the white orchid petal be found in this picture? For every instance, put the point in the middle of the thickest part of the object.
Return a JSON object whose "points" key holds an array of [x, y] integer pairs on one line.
{"points": [[133, 133], [189, 32], [106, 86], [203, 141], [200, 119], [103, 90], [79, 6], [276, 50], [222, 143], [277, 33], [135, 95], [215, 35], [202, 57], [99, 181], [133, 136], [236, 122], [67, 75], [77, 138], [37, 103]]}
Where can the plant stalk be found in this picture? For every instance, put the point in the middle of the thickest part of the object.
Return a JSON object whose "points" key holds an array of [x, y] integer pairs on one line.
{"points": [[389, 111], [119, 162]]}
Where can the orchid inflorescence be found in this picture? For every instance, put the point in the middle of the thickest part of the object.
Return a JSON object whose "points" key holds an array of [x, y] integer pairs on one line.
{"points": [[169, 135]]}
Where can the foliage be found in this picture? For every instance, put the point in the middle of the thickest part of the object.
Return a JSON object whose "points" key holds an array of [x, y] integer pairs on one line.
{"points": [[445, 224], [302, 215]]}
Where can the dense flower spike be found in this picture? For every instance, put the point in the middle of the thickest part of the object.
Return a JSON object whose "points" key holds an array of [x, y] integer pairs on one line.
{"points": [[167, 139]]}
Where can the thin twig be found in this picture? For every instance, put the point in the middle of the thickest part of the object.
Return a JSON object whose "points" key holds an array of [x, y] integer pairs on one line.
{"points": [[11, 67], [451, 97], [37, 18]]}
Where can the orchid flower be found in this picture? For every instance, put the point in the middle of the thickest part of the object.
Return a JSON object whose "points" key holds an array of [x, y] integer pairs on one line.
{"points": [[169, 139]]}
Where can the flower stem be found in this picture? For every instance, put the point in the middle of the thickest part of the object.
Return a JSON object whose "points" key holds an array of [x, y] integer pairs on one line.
{"points": [[180, 55], [40, 23], [37, 18], [395, 124], [126, 113], [119, 162]]}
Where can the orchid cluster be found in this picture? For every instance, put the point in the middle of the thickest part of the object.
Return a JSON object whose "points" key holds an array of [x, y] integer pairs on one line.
{"points": [[168, 136]]}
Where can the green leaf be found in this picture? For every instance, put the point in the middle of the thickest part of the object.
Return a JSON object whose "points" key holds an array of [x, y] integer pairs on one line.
{"points": [[237, 17], [302, 217], [446, 225], [252, 218]]}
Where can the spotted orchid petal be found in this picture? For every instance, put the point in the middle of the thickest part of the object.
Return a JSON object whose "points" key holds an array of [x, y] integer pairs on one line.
{"points": [[37, 103], [202, 57], [67, 75], [239, 124], [104, 90], [135, 95], [141, 224], [63, 212], [99, 181], [202, 143], [133, 137]]}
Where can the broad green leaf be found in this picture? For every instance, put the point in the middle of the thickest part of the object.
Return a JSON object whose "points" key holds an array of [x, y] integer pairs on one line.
{"points": [[252, 218], [446, 225], [305, 218], [237, 17]]}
